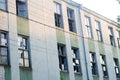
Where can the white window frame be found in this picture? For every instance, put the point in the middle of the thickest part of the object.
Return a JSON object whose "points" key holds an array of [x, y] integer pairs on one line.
{"points": [[76, 60], [88, 26], [23, 51], [104, 65], [98, 30], [93, 63], [62, 55]]}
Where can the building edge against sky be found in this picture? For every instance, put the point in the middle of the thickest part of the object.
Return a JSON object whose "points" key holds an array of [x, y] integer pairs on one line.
{"points": [[64, 41]]}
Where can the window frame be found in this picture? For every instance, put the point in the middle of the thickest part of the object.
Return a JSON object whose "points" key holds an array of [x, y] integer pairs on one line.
{"points": [[25, 49], [62, 56], [18, 10], [111, 36], [118, 39], [116, 66], [58, 16], [76, 60], [104, 65], [6, 46], [5, 5], [89, 27], [93, 63], [71, 20], [98, 30]]}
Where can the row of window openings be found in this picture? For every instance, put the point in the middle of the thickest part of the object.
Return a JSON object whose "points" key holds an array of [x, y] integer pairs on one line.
{"points": [[21, 7], [23, 50], [94, 67], [76, 62], [99, 32], [59, 18], [63, 64]]}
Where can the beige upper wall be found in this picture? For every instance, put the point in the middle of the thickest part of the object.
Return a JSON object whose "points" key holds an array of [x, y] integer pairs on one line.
{"points": [[105, 22]]}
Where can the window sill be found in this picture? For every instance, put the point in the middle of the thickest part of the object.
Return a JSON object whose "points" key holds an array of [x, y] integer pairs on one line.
{"points": [[60, 28], [65, 71], [95, 75], [90, 38], [74, 33], [105, 77], [6, 65], [100, 41], [3, 10], [22, 17], [25, 68], [77, 73]]}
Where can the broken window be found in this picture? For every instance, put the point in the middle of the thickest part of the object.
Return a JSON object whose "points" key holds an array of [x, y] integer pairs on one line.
{"points": [[93, 63], [116, 66], [76, 60], [104, 65], [63, 65], [23, 51], [3, 48]]}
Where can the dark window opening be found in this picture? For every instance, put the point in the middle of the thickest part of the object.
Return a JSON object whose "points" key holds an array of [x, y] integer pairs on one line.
{"points": [[21, 8], [63, 65], [71, 20]]}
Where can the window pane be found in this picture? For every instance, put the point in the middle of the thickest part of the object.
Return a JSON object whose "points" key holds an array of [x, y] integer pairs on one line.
{"points": [[26, 54], [3, 51], [110, 31], [26, 63], [3, 4], [21, 61], [21, 54], [57, 8], [24, 43], [21, 9], [19, 41], [2, 1], [97, 24], [4, 59], [3, 40], [102, 60], [87, 21], [91, 57]]}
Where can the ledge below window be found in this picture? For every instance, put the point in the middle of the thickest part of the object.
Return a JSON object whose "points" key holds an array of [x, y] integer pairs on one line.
{"points": [[25, 68]]}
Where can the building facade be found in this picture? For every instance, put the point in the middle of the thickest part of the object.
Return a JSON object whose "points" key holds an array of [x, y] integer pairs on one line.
{"points": [[56, 40]]}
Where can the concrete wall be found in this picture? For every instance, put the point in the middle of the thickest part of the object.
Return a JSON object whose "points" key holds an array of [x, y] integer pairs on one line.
{"points": [[44, 36], [100, 47]]}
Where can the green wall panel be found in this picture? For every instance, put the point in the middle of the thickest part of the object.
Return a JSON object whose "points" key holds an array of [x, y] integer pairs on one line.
{"points": [[74, 40], [60, 36], [7, 73], [101, 48], [95, 78], [78, 77], [114, 52], [25, 74], [64, 75], [23, 26], [106, 79], [91, 45]]}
